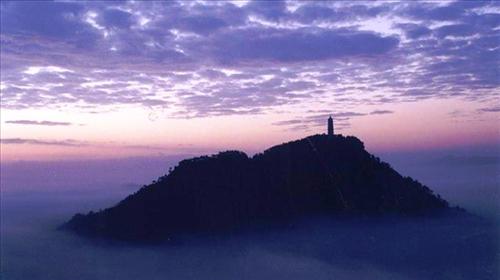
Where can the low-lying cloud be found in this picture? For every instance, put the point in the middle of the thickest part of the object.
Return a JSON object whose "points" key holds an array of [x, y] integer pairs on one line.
{"points": [[42, 123], [64, 143], [317, 118]]}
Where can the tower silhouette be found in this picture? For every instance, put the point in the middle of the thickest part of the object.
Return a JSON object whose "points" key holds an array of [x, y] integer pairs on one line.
{"points": [[330, 126]]}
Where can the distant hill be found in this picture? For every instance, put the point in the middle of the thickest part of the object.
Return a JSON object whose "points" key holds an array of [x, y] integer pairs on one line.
{"points": [[319, 174]]}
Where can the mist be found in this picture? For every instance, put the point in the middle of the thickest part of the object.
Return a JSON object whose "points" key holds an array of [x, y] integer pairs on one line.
{"points": [[34, 205]]}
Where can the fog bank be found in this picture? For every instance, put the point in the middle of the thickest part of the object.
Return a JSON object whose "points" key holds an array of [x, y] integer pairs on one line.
{"points": [[37, 197], [364, 248]]}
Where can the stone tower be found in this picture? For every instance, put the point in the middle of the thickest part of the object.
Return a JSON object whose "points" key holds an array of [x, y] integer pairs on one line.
{"points": [[330, 126]]}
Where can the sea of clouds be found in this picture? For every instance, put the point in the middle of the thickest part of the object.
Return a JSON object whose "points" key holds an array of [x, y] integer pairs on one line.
{"points": [[361, 248]]}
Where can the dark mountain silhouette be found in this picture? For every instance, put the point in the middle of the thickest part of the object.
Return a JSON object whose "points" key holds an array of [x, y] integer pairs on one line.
{"points": [[321, 174]]}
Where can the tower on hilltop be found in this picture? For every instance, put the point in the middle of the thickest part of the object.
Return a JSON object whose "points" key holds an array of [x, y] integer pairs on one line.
{"points": [[330, 126]]}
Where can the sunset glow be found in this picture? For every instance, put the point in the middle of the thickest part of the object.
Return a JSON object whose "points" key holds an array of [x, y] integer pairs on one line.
{"points": [[149, 78]]}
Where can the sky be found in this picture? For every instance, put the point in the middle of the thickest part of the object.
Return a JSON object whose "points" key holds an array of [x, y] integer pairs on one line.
{"points": [[92, 80]]}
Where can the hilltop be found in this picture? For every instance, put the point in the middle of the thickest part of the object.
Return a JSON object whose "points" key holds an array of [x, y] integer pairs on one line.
{"points": [[317, 175]]}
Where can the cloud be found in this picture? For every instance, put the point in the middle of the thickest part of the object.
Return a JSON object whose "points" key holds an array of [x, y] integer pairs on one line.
{"points": [[115, 18], [381, 112], [93, 144], [63, 143], [317, 118], [326, 12], [490, 109], [415, 31], [46, 123], [452, 11], [203, 59], [58, 20], [341, 115], [457, 30], [298, 45], [270, 10], [201, 24], [287, 122]]}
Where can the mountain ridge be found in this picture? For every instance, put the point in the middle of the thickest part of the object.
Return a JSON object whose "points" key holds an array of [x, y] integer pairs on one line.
{"points": [[316, 175]]}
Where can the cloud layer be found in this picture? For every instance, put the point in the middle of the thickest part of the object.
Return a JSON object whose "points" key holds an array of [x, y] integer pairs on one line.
{"points": [[43, 123], [198, 59]]}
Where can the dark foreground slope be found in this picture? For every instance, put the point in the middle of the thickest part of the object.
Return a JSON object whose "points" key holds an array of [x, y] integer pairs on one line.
{"points": [[315, 175]]}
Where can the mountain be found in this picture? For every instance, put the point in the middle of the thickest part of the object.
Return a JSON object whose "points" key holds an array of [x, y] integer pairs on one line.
{"points": [[317, 175]]}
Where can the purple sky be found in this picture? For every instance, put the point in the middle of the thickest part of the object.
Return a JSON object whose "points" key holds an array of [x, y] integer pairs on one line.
{"points": [[108, 79]]}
